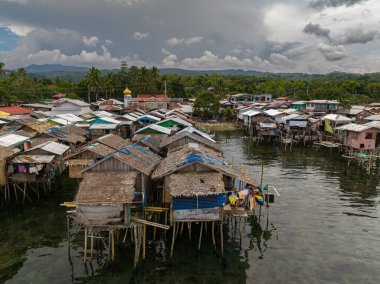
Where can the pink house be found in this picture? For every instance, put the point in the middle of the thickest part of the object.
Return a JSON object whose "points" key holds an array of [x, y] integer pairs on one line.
{"points": [[360, 136]]}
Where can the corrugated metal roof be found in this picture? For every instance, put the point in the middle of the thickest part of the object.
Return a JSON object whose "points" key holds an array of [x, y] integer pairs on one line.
{"points": [[273, 112], [176, 119], [12, 139], [251, 113], [100, 113], [336, 118], [110, 120], [33, 159], [353, 127], [156, 128], [69, 117], [197, 132], [151, 117], [375, 117], [52, 147], [323, 102], [103, 126], [129, 117]]}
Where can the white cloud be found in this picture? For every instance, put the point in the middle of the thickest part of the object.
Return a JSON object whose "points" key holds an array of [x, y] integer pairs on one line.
{"points": [[208, 60], [140, 36], [332, 52], [20, 30], [165, 51], [16, 1], [126, 2], [90, 41], [170, 60], [174, 41], [279, 59]]}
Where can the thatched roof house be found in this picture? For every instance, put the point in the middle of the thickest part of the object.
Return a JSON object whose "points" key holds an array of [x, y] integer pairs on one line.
{"points": [[183, 138], [111, 188], [57, 134], [5, 154], [132, 157], [113, 141], [195, 184], [191, 155], [153, 143]]}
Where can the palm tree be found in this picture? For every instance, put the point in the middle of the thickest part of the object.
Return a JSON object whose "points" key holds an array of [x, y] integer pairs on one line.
{"points": [[2, 70], [93, 78], [143, 77]]}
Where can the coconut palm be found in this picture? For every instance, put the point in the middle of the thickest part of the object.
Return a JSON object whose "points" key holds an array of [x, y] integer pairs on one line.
{"points": [[93, 78]]}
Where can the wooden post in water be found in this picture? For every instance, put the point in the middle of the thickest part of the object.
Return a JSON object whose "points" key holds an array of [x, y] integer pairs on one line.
{"points": [[200, 236], [85, 244], [221, 237], [173, 239], [213, 235], [113, 245], [144, 240], [189, 227]]}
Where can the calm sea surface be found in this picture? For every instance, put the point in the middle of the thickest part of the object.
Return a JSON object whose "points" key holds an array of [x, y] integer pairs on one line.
{"points": [[324, 228]]}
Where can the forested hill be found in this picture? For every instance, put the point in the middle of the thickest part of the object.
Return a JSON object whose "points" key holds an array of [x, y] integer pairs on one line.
{"points": [[75, 73]]}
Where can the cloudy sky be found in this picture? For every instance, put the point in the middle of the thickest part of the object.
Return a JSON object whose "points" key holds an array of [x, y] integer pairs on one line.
{"points": [[315, 36]]}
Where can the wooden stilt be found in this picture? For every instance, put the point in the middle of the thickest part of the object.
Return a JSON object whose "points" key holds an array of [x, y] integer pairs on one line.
{"points": [[144, 241], [213, 234], [85, 245], [113, 245], [189, 227], [200, 236], [221, 237], [173, 239], [181, 228], [154, 229], [92, 244], [136, 244], [166, 221]]}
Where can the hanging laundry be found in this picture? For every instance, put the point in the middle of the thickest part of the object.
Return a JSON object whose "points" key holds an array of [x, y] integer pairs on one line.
{"points": [[21, 169]]}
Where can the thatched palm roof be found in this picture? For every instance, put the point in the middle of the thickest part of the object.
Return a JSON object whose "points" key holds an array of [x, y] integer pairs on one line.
{"points": [[190, 136], [113, 141], [135, 156], [99, 149], [106, 188], [72, 129], [6, 152], [196, 184], [197, 154]]}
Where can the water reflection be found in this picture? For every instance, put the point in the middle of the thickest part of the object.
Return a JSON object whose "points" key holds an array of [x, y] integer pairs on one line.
{"points": [[323, 228]]}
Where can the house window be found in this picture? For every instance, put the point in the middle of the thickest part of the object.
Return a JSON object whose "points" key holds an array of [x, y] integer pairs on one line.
{"points": [[368, 135], [361, 146]]}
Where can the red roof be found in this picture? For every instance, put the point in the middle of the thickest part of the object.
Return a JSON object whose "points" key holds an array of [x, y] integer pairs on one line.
{"points": [[152, 96], [16, 110]]}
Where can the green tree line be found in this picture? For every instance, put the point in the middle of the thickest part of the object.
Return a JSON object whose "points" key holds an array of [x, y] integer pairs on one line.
{"points": [[18, 85]]}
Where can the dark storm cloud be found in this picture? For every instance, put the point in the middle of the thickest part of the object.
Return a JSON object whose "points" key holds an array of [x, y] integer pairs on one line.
{"points": [[196, 34], [358, 35], [317, 30], [333, 3]]}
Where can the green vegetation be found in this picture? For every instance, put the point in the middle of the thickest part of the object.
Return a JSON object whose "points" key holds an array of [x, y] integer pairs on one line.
{"points": [[206, 106], [349, 89]]}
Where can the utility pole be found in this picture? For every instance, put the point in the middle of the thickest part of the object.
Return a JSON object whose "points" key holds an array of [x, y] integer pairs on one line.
{"points": [[165, 91]]}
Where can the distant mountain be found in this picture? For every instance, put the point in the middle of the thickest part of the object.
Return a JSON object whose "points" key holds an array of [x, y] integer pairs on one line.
{"points": [[75, 73], [48, 68], [230, 72]]}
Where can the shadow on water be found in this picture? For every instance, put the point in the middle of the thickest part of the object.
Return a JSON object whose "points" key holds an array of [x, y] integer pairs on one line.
{"points": [[31, 226]]}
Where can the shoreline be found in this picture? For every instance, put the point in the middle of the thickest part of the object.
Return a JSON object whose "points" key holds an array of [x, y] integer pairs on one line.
{"points": [[219, 126]]}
